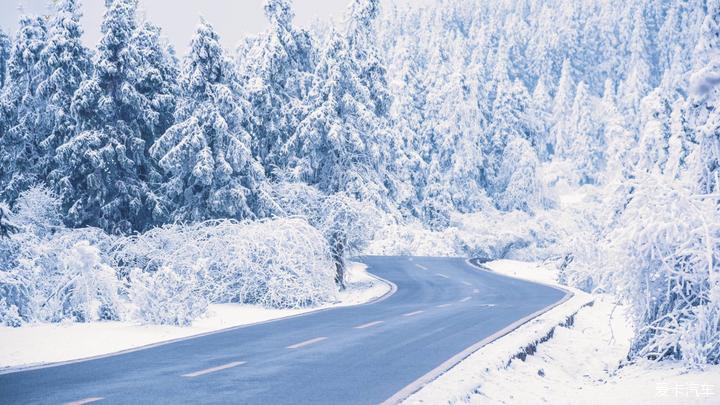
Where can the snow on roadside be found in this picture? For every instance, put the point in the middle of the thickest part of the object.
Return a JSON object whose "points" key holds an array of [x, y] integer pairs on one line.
{"points": [[578, 365], [36, 344], [457, 384]]}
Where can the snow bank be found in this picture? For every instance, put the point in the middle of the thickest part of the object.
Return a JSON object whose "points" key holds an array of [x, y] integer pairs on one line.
{"points": [[575, 359], [580, 366], [456, 384], [36, 344]]}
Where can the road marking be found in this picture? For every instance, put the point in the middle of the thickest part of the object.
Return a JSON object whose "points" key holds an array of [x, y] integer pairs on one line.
{"points": [[213, 369], [307, 342], [413, 313], [466, 283], [442, 275], [410, 259], [487, 305], [85, 401], [421, 266], [444, 305], [465, 299], [369, 324], [475, 291]]}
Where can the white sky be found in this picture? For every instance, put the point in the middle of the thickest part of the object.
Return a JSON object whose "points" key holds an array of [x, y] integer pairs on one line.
{"points": [[233, 19]]}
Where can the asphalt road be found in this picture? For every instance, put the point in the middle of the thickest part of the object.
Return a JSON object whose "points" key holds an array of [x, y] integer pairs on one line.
{"points": [[363, 354]]}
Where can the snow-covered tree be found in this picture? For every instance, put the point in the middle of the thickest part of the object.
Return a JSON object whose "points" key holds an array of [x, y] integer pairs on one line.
{"points": [[6, 228], [332, 147], [654, 141], [562, 105], [587, 147], [620, 152], [638, 77], [512, 119], [156, 80], [207, 153], [279, 69], [542, 108], [454, 128], [5, 47], [681, 141], [66, 64], [104, 169], [521, 186], [22, 123]]}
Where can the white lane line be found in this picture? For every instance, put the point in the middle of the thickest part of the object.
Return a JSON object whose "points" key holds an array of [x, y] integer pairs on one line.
{"points": [[413, 313], [476, 291], [84, 401], [443, 305], [487, 305], [369, 324], [466, 283], [421, 266], [307, 342], [213, 369], [442, 275], [465, 299]]}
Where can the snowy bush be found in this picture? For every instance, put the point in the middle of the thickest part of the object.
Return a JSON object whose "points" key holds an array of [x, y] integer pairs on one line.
{"points": [[669, 271], [49, 273], [167, 297], [176, 270]]}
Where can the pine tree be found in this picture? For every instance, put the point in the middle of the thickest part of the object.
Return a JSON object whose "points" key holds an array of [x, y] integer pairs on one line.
{"points": [[361, 38], [655, 112], [22, 121], [638, 77], [702, 111], [587, 148], [681, 142], [541, 106], [104, 170], [333, 146], [512, 119], [156, 81], [5, 47], [409, 114], [279, 72], [562, 104], [707, 45], [456, 126], [519, 183], [345, 143], [620, 159], [66, 64], [564, 94], [206, 154]]}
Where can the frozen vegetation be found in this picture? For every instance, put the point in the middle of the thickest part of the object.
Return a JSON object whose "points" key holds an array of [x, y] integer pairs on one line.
{"points": [[140, 185]]}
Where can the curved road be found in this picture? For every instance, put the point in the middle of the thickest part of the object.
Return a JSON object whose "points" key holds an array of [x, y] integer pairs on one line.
{"points": [[364, 354]]}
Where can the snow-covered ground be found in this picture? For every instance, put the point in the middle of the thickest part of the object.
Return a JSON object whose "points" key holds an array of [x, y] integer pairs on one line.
{"points": [[37, 344], [579, 364]]}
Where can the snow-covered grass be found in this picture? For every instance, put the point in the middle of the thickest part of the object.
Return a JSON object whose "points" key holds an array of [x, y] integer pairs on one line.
{"points": [[577, 361], [40, 343]]}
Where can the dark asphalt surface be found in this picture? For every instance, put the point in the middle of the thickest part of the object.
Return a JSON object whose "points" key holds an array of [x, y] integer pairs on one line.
{"points": [[350, 366]]}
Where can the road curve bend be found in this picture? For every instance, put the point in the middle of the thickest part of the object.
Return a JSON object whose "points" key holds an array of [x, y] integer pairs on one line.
{"points": [[442, 311]]}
